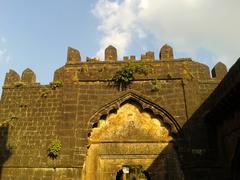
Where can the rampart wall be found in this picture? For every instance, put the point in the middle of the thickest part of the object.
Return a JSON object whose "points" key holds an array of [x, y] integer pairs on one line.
{"points": [[64, 107]]}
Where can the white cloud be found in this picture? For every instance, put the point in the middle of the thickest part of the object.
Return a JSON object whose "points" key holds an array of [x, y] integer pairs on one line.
{"points": [[188, 25], [4, 56], [119, 21]]}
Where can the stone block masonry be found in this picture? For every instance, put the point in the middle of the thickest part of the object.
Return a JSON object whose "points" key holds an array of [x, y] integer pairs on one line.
{"points": [[83, 90]]}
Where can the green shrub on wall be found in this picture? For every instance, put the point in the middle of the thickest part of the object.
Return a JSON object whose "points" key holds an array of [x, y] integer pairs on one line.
{"points": [[52, 86], [54, 148], [9, 121], [55, 84], [45, 91], [155, 85], [125, 75]]}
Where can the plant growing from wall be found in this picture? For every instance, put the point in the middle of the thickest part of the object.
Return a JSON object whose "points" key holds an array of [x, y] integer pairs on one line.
{"points": [[143, 68], [9, 121], [52, 86], [54, 148], [45, 92], [4, 123], [155, 85], [125, 75], [55, 84]]}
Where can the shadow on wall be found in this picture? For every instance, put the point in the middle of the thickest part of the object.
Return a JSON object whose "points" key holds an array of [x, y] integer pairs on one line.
{"points": [[188, 157], [5, 151], [191, 156], [235, 163], [211, 134], [166, 166], [198, 150]]}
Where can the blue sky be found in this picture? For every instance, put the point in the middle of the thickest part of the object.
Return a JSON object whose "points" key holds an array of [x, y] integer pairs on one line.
{"points": [[36, 34]]}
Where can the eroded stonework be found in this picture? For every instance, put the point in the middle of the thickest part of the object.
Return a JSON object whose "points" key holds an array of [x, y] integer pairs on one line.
{"points": [[154, 124], [129, 137], [129, 124]]}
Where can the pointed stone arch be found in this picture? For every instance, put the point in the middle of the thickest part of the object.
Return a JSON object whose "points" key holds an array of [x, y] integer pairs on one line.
{"points": [[134, 133], [143, 103]]}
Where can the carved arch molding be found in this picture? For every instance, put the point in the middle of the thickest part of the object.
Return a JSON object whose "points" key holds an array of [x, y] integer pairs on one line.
{"points": [[144, 105], [131, 131]]}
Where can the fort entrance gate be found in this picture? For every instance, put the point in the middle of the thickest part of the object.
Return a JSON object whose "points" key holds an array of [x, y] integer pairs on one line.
{"points": [[130, 136]]}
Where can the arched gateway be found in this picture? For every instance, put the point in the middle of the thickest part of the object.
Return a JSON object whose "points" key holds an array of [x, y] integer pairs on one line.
{"points": [[131, 132]]}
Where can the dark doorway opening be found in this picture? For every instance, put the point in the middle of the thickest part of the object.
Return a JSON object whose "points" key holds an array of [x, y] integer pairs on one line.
{"points": [[135, 173], [119, 175]]}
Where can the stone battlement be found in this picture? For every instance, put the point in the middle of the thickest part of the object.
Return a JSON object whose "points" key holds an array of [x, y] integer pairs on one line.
{"points": [[166, 67]]}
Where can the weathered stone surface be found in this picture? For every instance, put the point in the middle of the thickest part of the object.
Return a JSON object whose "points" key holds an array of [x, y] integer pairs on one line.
{"points": [[58, 74], [11, 78], [110, 54], [219, 71], [92, 59], [125, 58], [129, 137], [216, 129], [73, 56], [28, 76], [166, 53], [148, 56], [98, 123], [129, 124]]}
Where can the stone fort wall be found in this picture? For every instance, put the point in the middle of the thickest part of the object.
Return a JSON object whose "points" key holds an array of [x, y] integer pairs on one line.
{"points": [[79, 89], [220, 113]]}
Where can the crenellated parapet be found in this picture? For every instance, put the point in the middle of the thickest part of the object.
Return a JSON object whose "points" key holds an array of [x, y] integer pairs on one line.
{"points": [[219, 71], [164, 68], [58, 74], [148, 56], [11, 78], [166, 53], [28, 76], [73, 56], [110, 54], [131, 58], [94, 69]]}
